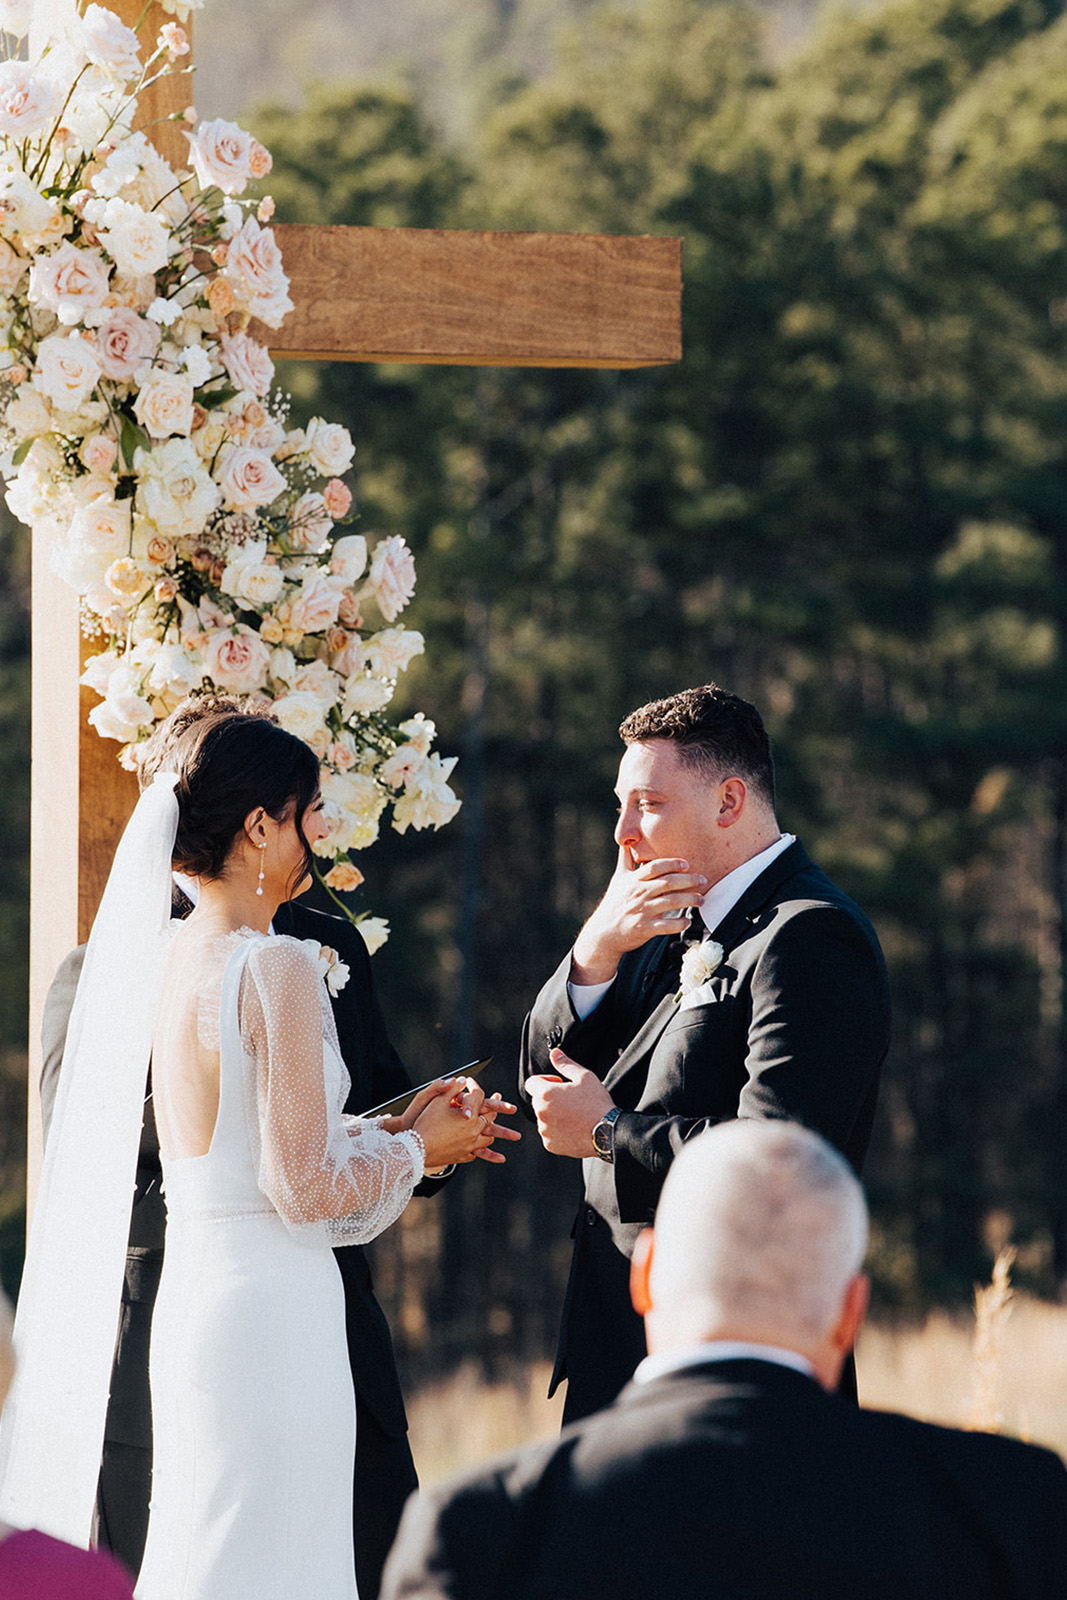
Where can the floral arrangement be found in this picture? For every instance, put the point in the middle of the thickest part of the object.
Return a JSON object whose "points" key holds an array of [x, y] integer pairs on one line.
{"points": [[144, 441]]}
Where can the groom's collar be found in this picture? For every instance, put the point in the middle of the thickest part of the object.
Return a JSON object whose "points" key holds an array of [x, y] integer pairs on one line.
{"points": [[724, 895]]}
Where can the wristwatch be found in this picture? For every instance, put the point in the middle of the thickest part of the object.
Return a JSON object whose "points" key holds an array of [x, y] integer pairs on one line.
{"points": [[604, 1136]]}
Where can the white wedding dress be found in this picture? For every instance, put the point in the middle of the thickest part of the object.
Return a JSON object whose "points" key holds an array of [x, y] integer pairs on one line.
{"points": [[252, 1403]]}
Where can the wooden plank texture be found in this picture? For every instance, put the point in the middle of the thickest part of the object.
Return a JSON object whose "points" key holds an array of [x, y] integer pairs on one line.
{"points": [[441, 295]]}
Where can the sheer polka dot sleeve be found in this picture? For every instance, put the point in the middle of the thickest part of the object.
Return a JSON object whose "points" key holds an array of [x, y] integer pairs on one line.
{"points": [[331, 1181]]}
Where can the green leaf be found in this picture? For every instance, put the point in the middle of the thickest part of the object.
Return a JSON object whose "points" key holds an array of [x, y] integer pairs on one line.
{"points": [[21, 453], [130, 438]]}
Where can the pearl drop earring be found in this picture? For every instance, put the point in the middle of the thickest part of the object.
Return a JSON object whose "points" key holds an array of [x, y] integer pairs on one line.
{"points": [[261, 846]]}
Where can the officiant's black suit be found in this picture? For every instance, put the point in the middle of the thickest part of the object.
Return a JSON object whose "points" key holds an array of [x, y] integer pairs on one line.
{"points": [[385, 1472], [741, 1480], [798, 1029]]}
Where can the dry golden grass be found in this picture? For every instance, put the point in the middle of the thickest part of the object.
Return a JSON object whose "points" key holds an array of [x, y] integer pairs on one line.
{"points": [[934, 1371]]}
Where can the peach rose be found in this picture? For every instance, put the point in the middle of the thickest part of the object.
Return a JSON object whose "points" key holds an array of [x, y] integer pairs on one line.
{"points": [[343, 877], [99, 453], [164, 404], [337, 497]]}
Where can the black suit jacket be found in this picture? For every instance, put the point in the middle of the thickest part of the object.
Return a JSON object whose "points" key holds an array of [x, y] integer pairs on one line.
{"points": [[377, 1074], [740, 1480], [798, 1029]]}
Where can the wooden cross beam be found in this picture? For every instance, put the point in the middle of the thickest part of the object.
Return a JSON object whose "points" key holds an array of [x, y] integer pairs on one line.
{"points": [[360, 294]]}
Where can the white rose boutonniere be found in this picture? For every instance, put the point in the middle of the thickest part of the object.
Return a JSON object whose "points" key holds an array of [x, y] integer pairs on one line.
{"points": [[330, 966], [698, 964]]}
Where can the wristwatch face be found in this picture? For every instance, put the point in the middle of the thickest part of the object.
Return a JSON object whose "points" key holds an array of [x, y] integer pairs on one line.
{"points": [[604, 1138]]}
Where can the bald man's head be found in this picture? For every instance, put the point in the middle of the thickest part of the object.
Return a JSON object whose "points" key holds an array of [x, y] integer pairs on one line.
{"points": [[760, 1235]]}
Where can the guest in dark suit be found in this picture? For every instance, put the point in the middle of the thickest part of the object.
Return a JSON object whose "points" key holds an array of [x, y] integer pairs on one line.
{"points": [[785, 1014], [727, 1467], [384, 1470]]}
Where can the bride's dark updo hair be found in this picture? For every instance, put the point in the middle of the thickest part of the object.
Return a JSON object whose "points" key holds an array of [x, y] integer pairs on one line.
{"points": [[229, 764]]}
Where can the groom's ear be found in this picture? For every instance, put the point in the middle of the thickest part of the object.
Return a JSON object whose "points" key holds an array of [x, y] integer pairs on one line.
{"points": [[640, 1267]]}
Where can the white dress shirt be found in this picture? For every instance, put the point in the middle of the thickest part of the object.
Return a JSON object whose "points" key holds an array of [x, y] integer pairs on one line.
{"points": [[720, 1350]]}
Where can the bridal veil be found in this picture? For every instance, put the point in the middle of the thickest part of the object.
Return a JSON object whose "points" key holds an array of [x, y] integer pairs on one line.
{"points": [[52, 1430]]}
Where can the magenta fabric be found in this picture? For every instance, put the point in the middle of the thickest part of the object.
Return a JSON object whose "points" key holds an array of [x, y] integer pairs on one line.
{"points": [[34, 1566]]}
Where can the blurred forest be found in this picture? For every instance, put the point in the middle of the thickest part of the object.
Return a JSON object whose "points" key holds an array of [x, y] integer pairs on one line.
{"points": [[848, 503]]}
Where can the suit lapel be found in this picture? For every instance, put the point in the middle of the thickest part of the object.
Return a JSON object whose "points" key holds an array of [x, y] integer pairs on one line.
{"points": [[736, 923], [753, 902]]}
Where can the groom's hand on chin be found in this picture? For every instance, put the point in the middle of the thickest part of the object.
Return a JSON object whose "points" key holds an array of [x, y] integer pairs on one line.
{"points": [[568, 1107]]}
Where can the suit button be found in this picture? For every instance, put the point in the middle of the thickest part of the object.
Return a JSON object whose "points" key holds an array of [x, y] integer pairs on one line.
{"points": [[591, 1217]]}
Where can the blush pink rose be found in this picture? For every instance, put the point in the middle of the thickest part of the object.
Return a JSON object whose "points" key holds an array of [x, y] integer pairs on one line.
{"points": [[237, 661], [255, 274], [247, 363], [99, 453], [249, 478], [126, 344], [221, 155], [315, 608], [69, 282], [25, 100]]}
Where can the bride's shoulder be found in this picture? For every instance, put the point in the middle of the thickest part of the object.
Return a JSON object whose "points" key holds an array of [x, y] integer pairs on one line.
{"points": [[279, 955]]}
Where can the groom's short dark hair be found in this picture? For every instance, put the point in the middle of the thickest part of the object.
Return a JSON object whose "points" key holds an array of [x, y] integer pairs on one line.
{"points": [[716, 732]]}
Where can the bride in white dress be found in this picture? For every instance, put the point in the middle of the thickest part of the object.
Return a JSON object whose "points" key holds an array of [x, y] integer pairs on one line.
{"points": [[253, 1410]]}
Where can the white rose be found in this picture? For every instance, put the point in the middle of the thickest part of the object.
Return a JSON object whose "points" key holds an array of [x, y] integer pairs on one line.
{"points": [[392, 577], [348, 557], [249, 366], [300, 714], [249, 478], [12, 267], [104, 527], [15, 17], [174, 673], [164, 404], [27, 415], [282, 665], [315, 677], [24, 212], [237, 661], [392, 651], [124, 712], [174, 491], [221, 155], [427, 802], [420, 733], [375, 931], [98, 670], [108, 43], [137, 242], [329, 447], [67, 370], [26, 100], [250, 579], [363, 696]]}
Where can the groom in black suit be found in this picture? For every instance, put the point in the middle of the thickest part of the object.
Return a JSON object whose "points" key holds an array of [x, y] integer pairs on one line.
{"points": [[780, 1008], [728, 1468]]}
